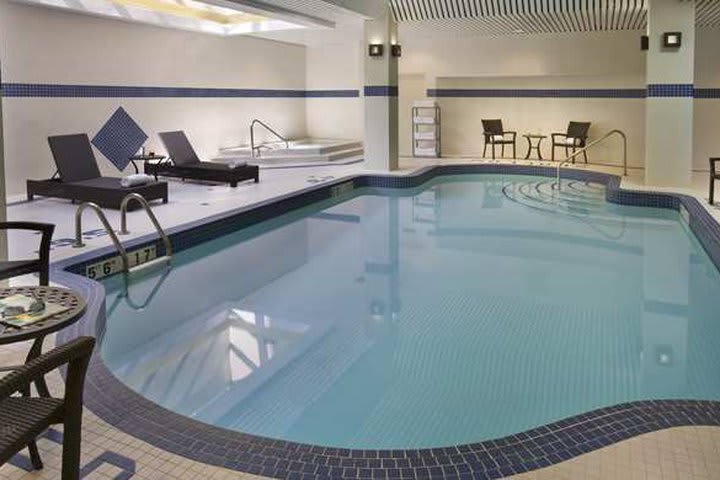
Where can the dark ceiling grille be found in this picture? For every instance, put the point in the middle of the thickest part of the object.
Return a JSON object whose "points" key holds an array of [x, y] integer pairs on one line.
{"points": [[497, 17]]}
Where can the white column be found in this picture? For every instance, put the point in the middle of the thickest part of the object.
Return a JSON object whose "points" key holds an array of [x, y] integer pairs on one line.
{"points": [[670, 90], [381, 95], [3, 206]]}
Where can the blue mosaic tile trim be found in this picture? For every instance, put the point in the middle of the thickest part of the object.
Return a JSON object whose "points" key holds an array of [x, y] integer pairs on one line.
{"points": [[34, 90], [120, 138], [332, 93], [707, 93], [381, 91], [126, 410], [536, 93], [680, 90]]}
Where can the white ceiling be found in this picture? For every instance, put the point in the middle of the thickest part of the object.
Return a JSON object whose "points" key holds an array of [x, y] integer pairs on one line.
{"points": [[315, 22]]}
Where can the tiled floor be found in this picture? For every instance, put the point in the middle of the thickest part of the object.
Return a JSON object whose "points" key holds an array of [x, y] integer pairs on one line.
{"points": [[678, 453]]}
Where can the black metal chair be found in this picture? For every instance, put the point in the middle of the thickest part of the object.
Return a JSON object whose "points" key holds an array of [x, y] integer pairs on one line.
{"points": [[714, 175], [14, 268], [575, 137], [494, 134], [23, 418]]}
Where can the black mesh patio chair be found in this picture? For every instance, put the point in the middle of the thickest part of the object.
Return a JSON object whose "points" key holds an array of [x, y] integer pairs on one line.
{"points": [[494, 134], [714, 175], [23, 418], [575, 137], [15, 268]]}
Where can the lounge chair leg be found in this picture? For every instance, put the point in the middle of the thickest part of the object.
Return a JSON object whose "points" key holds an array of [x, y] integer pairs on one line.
{"points": [[712, 191], [493, 151], [514, 151], [257, 178], [233, 184], [502, 151], [30, 197], [484, 148], [35, 456], [585, 155]]}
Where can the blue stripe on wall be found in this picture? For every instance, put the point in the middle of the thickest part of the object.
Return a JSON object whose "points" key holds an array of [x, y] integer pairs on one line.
{"points": [[538, 93], [39, 90], [681, 90], [707, 93], [332, 93], [381, 91]]}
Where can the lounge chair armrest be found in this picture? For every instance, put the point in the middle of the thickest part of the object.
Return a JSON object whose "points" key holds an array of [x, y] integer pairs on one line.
{"points": [[75, 353], [45, 228], [713, 167]]}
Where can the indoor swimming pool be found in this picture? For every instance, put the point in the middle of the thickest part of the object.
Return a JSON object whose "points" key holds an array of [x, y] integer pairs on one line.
{"points": [[467, 309]]}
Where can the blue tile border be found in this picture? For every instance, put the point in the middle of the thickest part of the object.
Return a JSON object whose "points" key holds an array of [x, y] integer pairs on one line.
{"points": [[707, 92], [680, 90], [624, 93], [381, 91], [45, 90], [128, 411], [651, 91]]}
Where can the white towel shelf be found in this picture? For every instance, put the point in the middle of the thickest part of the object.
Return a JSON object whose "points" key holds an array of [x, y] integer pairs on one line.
{"points": [[426, 129]]}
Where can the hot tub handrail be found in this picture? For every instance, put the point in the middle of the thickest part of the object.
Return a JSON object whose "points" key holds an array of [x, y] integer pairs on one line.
{"points": [[592, 144], [253, 148]]}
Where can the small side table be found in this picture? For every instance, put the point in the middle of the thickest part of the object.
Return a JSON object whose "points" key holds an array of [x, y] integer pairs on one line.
{"points": [[534, 141], [39, 330], [145, 158]]}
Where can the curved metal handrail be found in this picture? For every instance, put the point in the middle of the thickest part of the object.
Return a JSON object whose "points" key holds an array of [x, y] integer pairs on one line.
{"points": [[146, 206], [592, 144], [267, 127], [78, 230]]}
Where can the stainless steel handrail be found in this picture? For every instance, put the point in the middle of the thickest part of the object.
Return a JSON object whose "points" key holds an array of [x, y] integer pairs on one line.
{"points": [[146, 206], [78, 230], [592, 144], [267, 127]]}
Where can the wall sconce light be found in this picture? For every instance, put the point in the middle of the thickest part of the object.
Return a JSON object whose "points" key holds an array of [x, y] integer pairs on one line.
{"points": [[672, 39], [396, 51], [376, 49], [644, 43]]}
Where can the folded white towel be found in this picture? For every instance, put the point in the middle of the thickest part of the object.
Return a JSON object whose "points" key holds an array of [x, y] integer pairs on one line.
{"points": [[136, 180], [237, 163]]}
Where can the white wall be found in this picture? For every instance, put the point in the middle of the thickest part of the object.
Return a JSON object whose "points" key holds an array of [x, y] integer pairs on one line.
{"points": [[595, 60], [335, 67], [707, 111], [49, 46], [577, 61]]}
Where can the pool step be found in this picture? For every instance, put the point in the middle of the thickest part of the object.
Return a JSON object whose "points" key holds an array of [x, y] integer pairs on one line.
{"points": [[574, 198]]}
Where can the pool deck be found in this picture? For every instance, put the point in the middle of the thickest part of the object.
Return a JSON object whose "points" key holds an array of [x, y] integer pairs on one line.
{"points": [[681, 452]]}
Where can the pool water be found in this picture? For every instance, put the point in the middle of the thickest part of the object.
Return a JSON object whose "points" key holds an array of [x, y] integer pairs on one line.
{"points": [[470, 308]]}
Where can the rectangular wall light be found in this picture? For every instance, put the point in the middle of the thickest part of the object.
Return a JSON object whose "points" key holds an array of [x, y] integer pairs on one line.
{"points": [[672, 39], [376, 50]]}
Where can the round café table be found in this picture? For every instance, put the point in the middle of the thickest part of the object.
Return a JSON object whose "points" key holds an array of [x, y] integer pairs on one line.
{"points": [[534, 141], [39, 330]]}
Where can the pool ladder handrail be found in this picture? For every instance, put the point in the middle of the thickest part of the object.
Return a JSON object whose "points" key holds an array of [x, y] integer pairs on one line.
{"points": [[255, 151], [161, 233], [592, 144], [123, 230], [103, 219]]}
